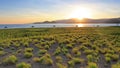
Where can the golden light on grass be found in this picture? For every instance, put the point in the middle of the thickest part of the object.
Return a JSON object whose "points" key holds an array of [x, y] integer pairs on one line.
{"points": [[81, 13]]}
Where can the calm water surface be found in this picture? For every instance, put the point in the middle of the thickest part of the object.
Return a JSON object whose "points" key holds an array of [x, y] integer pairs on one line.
{"points": [[2, 26]]}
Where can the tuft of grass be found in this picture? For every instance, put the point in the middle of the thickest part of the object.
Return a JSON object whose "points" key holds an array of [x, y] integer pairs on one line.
{"points": [[78, 60], [75, 50], [59, 65], [108, 59], [92, 65], [42, 52], [90, 58], [1, 48], [108, 55], [36, 59], [28, 54], [2, 53], [59, 59], [88, 52], [116, 65], [28, 49], [23, 65], [71, 64], [47, 47], [26, 44], [78, 54], [19, 51], [57, 51], [115, 57], [10, 60], [16, 44], [69, 46], [74, 61], [68, 56], [83, 48], [46, 59], [64, 50]]}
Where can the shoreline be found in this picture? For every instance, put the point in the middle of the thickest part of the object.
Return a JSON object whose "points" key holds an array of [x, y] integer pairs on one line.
{"points": [[12, 26]]}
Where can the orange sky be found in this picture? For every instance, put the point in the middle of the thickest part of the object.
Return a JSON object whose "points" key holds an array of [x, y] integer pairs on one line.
{"points": [[29, 11]]}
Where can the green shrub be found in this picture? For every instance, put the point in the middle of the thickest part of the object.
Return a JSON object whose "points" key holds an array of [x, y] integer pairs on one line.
{"points": [[5, 45], [116, 65], [26, 44], [78, 60], [78, 54], [69, 46], [59, 65], [75, 50], [68, 56], [74, 61], [64, 50], [52, 42], [71, 63], [19, 50], [94, 47], [35, 41], [59, 59], [108, 59], [115, 57], [12, 48], [36, 59], [43, 43], [46, 59], [88, 52], [57, 51], [83, 48], [10, 60], [102, 51], [16, 44], [47, 46], [23, 65], [110, 51], [87, 44], [28, 49], [28, 54], [2, 53], [42, 51], [92, 65], [1, 48], [108, 55], [90, 58]]}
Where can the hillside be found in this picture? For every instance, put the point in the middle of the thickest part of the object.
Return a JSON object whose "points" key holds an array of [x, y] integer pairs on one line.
{"points": [[85, 21]]}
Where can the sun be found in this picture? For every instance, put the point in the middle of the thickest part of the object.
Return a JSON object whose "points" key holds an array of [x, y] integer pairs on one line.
{"points": [[81, 13]]}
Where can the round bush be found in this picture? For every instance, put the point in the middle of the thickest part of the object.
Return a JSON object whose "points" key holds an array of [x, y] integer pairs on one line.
{"points": [[92, 65], [28, 54], [10, 60], [23, 65]]}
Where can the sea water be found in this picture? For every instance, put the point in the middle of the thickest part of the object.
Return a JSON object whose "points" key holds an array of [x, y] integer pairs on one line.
{"points": [[2, 26]]}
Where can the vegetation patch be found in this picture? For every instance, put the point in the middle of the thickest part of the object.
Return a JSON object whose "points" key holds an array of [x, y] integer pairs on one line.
{"points": [[12, 59], [60, 47], [23, 65]]}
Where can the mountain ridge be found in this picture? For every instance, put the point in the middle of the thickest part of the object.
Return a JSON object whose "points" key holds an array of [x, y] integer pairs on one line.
{"points": [[85, 21]]}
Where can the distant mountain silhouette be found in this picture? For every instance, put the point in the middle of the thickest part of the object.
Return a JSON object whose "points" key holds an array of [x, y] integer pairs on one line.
{"points": [[85, 21]]}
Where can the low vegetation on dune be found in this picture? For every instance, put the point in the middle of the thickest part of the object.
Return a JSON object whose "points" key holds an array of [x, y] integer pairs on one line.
{"points": [[85, 47], [23, 65]]}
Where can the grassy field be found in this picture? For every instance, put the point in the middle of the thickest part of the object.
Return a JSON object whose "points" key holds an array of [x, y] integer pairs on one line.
{"points": [[85, 47]]}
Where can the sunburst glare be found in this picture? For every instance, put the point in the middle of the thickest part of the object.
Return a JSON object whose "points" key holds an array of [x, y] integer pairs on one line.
{"points": [[81, 13]]}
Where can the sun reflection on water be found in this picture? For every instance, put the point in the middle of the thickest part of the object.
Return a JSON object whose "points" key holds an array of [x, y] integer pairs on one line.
{"points": [[80, 25]]}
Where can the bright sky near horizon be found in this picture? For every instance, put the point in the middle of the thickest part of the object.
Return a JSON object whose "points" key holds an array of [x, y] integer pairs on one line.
{"points": [[27, 11]]}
